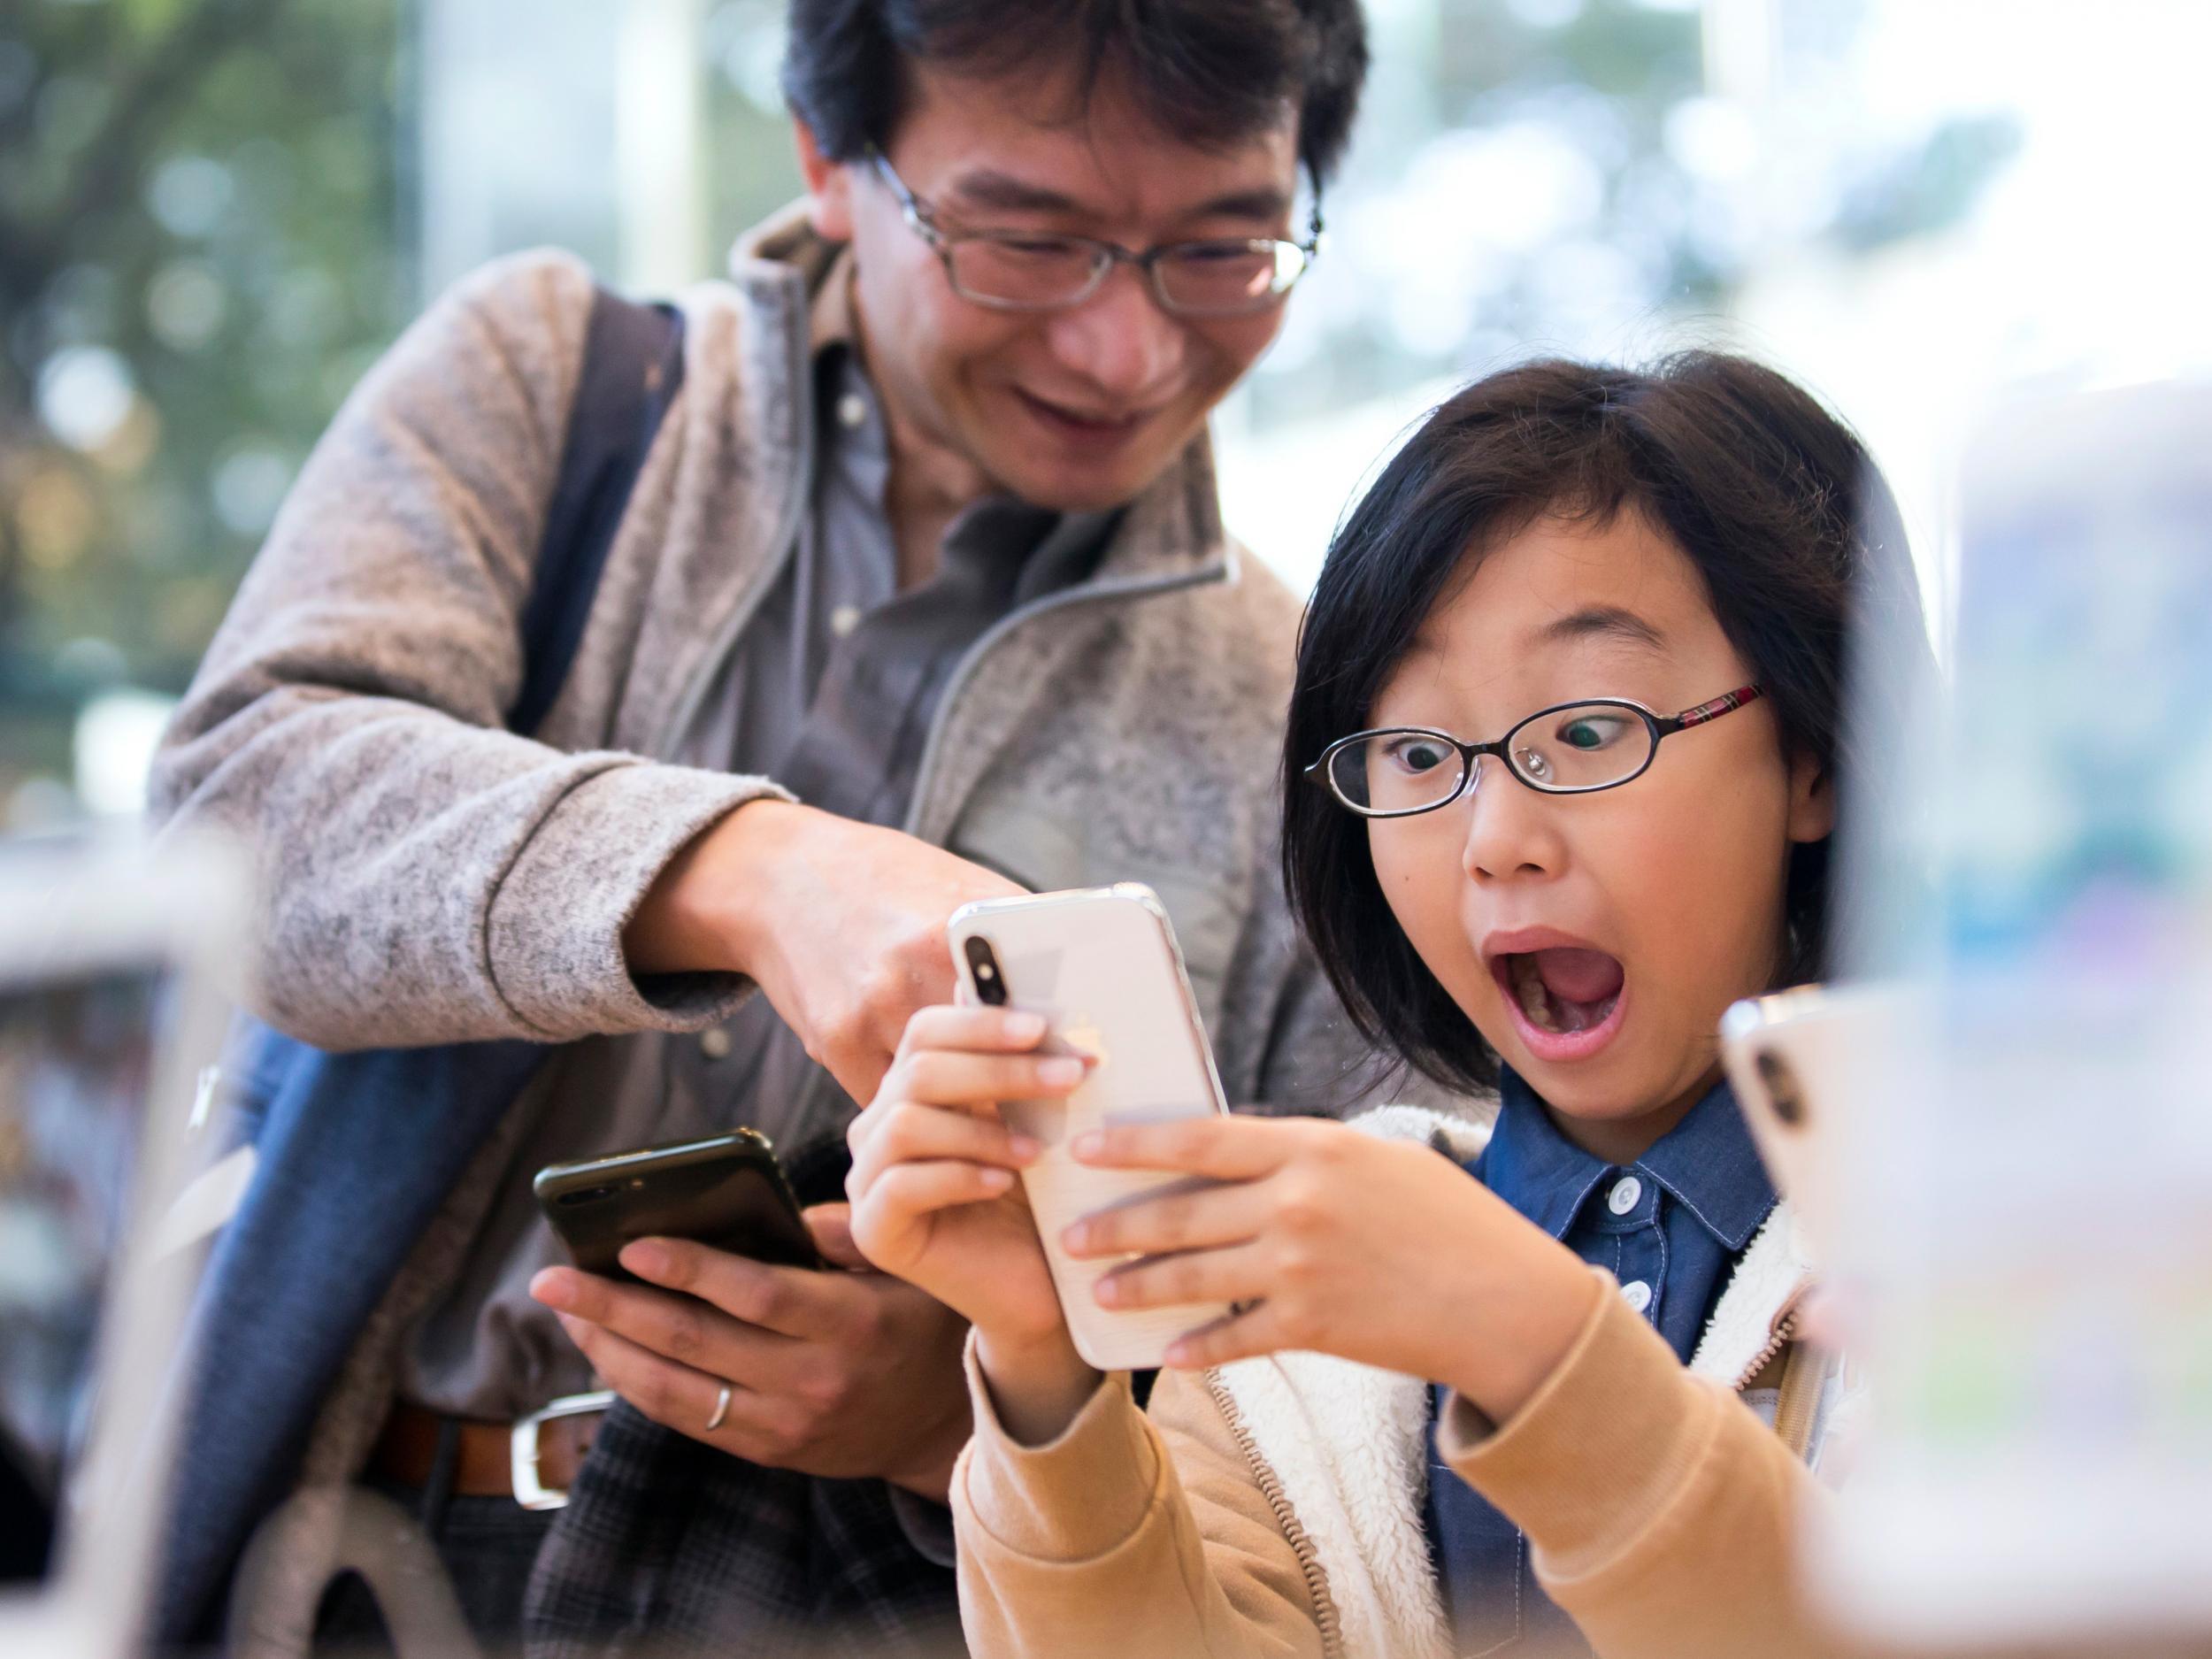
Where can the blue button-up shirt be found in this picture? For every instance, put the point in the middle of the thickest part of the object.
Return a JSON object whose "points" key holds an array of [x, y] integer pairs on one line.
{"points": [[1670, 1227]]}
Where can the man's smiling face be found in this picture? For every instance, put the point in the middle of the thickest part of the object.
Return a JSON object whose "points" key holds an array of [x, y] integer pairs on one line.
{"points": [[1079, 409]]}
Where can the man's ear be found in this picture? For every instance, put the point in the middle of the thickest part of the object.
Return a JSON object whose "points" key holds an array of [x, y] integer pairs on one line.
{"points": [[828, 186], [1812, 800]]}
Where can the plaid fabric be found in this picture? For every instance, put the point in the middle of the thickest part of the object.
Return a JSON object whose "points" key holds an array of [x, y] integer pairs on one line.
{"points": [[668, 1547]]}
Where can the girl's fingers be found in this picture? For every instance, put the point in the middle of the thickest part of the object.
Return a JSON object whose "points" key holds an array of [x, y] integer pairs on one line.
{"points": [[1236, 1274], [909, 1133], [953, 1076], [965, 1082], [1206, 1219], [988, 1030], [912, 1190], [1241, 1334], [1223, 1148]]}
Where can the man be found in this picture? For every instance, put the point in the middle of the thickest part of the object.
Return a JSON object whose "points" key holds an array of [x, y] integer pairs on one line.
{"points": [[921, 596]]}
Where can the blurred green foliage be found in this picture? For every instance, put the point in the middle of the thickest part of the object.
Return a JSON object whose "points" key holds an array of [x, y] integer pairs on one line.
{"points": [[752, 160], [201, 248]]}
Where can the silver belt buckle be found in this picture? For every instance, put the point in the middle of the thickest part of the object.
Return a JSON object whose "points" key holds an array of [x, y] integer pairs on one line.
{"points": [[530, 1492]]}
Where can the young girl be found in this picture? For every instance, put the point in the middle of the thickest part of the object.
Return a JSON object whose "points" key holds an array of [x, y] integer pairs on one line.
{"points": [[1563, 765]]}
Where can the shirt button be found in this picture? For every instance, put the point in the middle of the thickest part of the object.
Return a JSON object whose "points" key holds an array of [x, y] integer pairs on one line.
{"points": [[715, 1044], [844, 620], [1625, 1192], [1637, 1294], [852, 412]]}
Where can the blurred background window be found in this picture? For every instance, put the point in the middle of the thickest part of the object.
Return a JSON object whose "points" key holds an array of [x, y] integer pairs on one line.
{"points": [[213, 213]]}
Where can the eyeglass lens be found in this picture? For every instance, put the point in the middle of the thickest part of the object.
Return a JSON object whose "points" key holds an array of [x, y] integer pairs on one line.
{"points": [[1396, 771], [1047, 271], [1587, 747]]}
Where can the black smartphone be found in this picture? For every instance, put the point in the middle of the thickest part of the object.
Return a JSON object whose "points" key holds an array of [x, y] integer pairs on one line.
{"points": [[726, 1191]]}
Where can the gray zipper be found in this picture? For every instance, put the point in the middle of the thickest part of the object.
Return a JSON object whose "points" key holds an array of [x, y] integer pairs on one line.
{"points": [[965, 670], [785, 539]]}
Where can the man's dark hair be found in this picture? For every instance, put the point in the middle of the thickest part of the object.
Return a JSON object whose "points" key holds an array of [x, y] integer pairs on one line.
{"points": [[1217, 72], [1776, 503]]}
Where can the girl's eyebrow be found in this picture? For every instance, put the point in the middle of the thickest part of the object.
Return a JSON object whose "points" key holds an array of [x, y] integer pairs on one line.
{"points": [[1601, 622]]}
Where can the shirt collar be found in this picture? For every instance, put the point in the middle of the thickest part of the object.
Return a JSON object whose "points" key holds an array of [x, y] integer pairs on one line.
{"points": [[1712, 1167], [1707, 1162], [1533, 1167], [830, 315]]}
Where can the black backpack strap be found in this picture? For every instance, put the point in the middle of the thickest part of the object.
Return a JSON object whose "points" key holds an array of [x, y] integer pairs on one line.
{"points": [[634, 363]]}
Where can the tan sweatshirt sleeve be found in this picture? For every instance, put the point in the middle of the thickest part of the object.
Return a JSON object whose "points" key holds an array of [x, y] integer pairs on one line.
{"points": [[1659, 1509], [1130, 1534]]}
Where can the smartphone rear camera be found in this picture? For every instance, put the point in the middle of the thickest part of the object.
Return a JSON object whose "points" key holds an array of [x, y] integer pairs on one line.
{"points": [[1782, 1086], [990, 983], [585, 1195]]}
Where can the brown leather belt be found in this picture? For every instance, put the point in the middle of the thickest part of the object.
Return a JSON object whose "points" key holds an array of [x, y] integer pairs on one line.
{"points": [[533, 1462]]}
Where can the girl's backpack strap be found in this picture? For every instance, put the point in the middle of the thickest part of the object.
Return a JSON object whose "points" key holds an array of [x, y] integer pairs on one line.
{"points": [[633, 366]]}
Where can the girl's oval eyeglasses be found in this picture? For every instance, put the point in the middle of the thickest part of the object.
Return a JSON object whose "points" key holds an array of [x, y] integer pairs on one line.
{"points": [[1568, 748]]}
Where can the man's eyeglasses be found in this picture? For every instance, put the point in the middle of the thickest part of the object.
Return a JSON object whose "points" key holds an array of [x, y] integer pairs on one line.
{"points": [[1037, 271], [1570, 748]]}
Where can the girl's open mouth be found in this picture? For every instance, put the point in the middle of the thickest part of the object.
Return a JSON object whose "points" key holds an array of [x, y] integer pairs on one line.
{"points": [[1566, 1002]]}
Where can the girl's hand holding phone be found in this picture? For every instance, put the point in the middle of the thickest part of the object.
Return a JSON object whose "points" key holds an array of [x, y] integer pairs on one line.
{"points": [[1383, 1252], [935, 1200]]}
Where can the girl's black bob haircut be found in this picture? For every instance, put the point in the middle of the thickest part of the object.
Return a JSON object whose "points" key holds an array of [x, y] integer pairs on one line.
{"points": [[1775, 502]]}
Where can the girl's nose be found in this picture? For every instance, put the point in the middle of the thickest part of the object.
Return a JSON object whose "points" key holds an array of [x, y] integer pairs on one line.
{"points": [[1510, 828]]}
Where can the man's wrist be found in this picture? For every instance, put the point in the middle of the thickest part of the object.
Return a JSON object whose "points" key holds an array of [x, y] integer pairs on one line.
{"points": [[703, 915], [931, 1476]]}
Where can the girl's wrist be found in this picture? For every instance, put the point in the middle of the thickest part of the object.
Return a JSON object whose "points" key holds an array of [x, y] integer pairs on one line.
{"points": [[1038, 1384], [1534, 1307]]}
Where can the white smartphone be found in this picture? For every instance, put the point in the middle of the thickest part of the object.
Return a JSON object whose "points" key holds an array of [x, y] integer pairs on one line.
{"points": [[1797, 1059], [1102, 967]]}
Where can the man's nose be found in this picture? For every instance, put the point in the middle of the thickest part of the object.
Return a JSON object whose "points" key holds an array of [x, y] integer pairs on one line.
{"points": [[1119, 338], [1510, 828]]}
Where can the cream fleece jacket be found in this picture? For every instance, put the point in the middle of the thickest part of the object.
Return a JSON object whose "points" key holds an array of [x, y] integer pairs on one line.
{"points": [[1659, 1507]]}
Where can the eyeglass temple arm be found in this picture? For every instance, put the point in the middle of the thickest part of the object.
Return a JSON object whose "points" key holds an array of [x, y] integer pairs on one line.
{"points": [[1313, 225], [910, 204], [1727, 702]]}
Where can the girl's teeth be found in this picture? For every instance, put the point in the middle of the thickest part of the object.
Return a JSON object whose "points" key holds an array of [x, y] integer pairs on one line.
{"points": [[1528, 985], [1547, 1012]]}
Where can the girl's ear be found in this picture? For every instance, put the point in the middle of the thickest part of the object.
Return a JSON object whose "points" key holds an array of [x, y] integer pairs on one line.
{"points": [[828, 188], [1812, 800]]}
